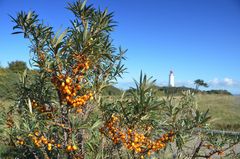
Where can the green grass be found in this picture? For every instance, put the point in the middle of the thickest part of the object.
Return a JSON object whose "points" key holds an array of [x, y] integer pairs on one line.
{"points": [[224, 110]]}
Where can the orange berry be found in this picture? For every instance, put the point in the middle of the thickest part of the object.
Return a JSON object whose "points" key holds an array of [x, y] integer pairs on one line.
{"points": [[69, 92], [67, 97], [149, 153], [37, 133], [58, 145], [79, 110], [74, 147], [78, 87], [68, 80], [44, 140], [74, 104], [49, 146], [69, 148]]}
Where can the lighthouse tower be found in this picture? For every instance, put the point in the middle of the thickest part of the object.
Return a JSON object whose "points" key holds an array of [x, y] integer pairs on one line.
{"points": [[171, 79]]}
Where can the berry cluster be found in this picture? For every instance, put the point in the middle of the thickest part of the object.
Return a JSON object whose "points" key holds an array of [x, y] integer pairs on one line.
{"points": [[71, 148], [41, 141], [133, 140], [70, 80], [82, 64], [20, 141], [69, 91], [42, 108]]}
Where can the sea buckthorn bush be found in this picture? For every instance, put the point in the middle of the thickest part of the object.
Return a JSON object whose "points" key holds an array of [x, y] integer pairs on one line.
{"points": [[56, 106], [60, 111], [142, 125]]}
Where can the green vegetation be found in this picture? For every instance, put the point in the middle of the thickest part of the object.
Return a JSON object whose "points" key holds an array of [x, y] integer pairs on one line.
{"points": [[112, 91], [178, 91], [224, 109], [220, 92], [199, 83], [8, 82], [17, 66], [67, 109], [9, 77]]}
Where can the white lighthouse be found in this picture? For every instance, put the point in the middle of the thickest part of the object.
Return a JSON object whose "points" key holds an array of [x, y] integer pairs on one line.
{"points": [[171, 79]]}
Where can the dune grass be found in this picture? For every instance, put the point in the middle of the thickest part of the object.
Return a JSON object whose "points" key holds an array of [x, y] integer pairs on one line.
{"points": [[224, 110]]}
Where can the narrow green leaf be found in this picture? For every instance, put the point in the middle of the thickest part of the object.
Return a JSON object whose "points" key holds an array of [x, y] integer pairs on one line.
{"points": [[30, 105], [90, 146], [83, 4], [96, 124], [60, 38], [17, 32], [29, 15], [85, 32]]}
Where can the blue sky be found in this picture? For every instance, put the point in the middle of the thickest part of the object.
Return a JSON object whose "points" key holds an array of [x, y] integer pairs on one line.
{"points": [[194, 38]]}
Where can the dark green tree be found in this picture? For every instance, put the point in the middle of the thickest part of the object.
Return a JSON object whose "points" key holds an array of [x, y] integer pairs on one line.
{"points": [[199, 83], [17, 66]]}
